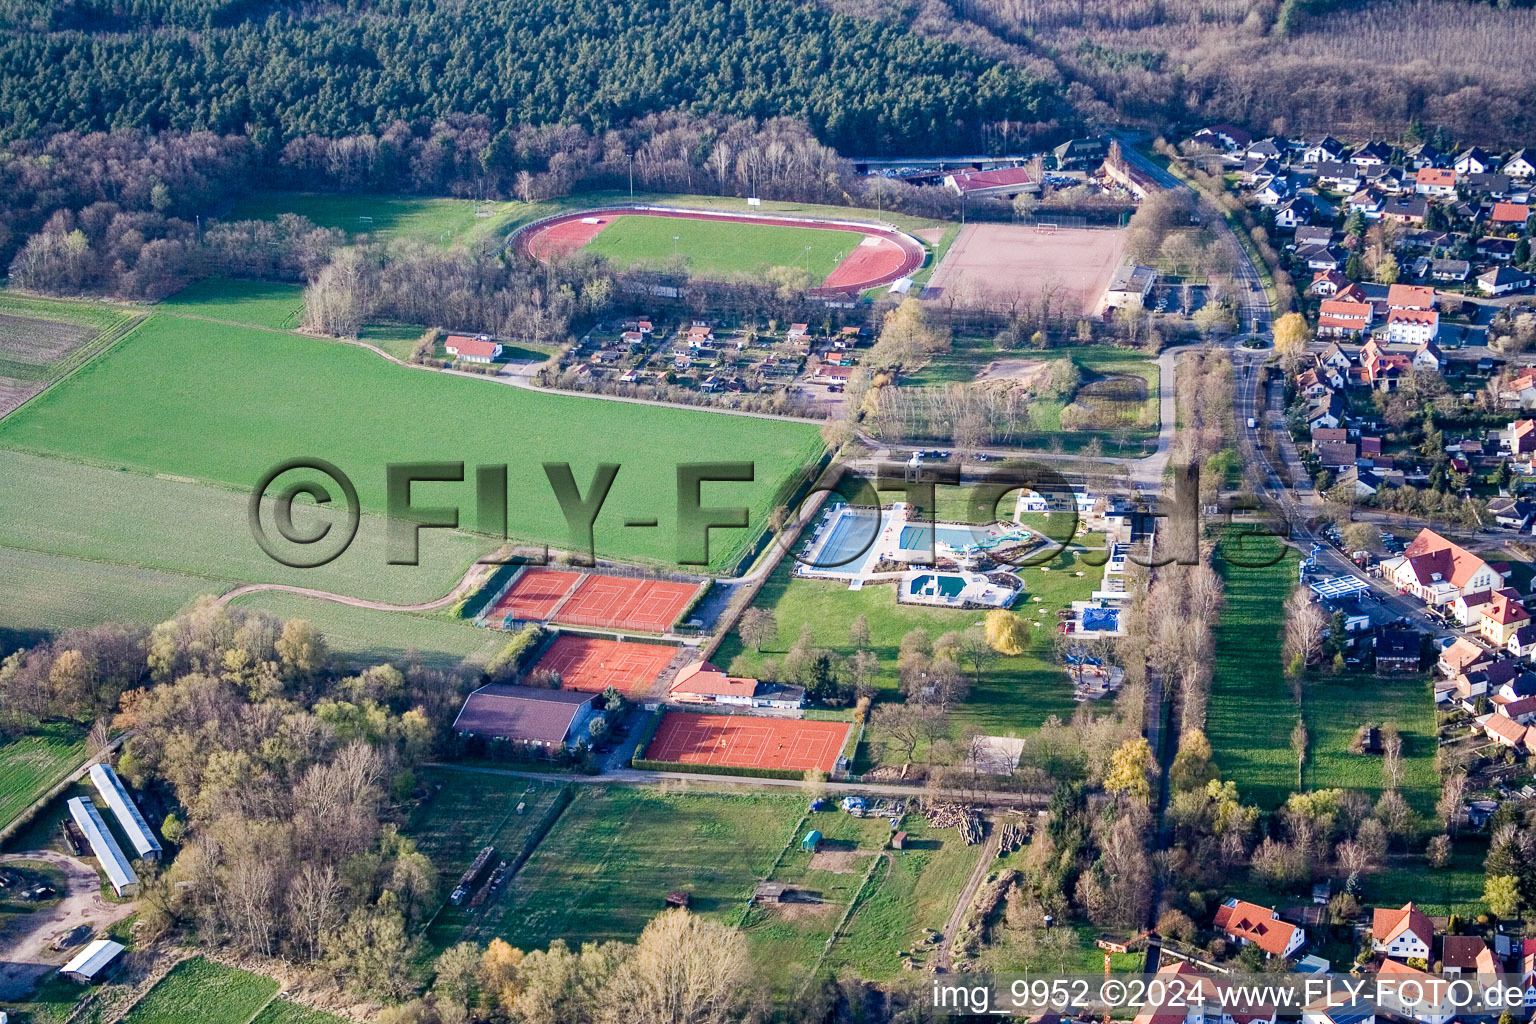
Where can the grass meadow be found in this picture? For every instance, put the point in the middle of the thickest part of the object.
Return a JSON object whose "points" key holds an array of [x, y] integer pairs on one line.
{"points": [[32, 764], [606, 867], [286, 1011], [367, 636], [721, 248], [1251, 712], [223, 403], [199, 991], [258, 303]]}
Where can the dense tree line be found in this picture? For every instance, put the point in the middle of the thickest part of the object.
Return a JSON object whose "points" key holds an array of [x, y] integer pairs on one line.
{"points": [[863, 86]]}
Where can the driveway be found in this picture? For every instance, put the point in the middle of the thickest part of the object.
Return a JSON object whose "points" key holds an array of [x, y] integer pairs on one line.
{"points": [[26, 955]]}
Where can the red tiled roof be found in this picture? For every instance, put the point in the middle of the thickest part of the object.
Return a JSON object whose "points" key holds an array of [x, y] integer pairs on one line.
{"points": [[1413, 316], [1342, 313], [1431, 553], [1387, 924], [706, 680], [967, 181], [1410, 296], [1504, 609], [1510, 213], [1507, 728], [1244, 920], [1435, 176], [464, 345]]}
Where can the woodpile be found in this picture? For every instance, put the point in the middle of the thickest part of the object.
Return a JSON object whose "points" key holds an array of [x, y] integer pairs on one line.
{"points": [[966, 820], [1010, 837]]}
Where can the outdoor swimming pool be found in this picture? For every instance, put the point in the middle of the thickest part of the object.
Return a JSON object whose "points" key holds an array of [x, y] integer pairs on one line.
{"points": [[850, 542], [920, 536]]}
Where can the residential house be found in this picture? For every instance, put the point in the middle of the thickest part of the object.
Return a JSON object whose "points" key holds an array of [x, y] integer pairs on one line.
{"points": [[1402, 933], [1406, 210], [1416, 994], [1244, 923], [1339, 1007], [1521, 165], [1327, 283], [1523, 643], [1322, 257], [479, 349], [1489, 186], [1521, 434], [1384, 368], [1519, 393], [1436, 182], [1341, 177], [1509, 216], [1372, 154], [1294, 213], [1334, 356], [1412, 327], [1334, 454], [1503, 281], [1343, 319], [1410, 296], [1271, 148], [1397, 651], [1507, 732], [1306, 235], [1258, 168], [1367, 202], [1309, 385], [1461, 655], [1324, 150], [1501, 616], [1512, 513], [1223, 136], [1475, 160], [1450, 270], [1088, 152], [1437, 571], [1427, 155], [1271, 191], [1497, 248], [1467, 954], [1327, 412]]}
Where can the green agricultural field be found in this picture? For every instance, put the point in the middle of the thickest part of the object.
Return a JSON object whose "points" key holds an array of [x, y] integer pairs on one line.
{"points": [[51, 506], [366, 636], [440, 221], [199, 991], [32, 764], [286, 1011], [608, 864], [722, 248], [258, 303], [222, 404], [1251, 713], [42, 340], [46, 593]]}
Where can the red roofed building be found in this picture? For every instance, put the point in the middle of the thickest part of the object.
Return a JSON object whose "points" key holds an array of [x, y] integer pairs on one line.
{"points": [[1410, 296], [1501, 616], [1402, 933], [1435, 181], [704, 683], [1437, 571], [1005, 181], [1245, 922], [1509, 215], [481, 349], [1522, 437], [1415, 994], [1507, 732], [1382, 369], [1340, 318], [1412, 326]]}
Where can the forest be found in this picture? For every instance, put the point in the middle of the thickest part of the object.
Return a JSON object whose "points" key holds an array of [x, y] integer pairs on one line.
{"points": [[863, 87]]}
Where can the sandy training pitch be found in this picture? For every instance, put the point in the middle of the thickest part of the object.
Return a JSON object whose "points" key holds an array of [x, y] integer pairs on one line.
{"points": [[992, 265], [883, 256], [741, 741], [591, 665]]}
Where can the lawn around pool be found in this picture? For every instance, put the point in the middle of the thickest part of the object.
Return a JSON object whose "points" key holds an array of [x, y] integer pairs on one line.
{"points": [[224, 403], [722, 248]]}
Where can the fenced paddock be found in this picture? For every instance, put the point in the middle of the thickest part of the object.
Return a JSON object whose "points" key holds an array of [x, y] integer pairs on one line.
{"points": [[744, 741], [1003, 265]]}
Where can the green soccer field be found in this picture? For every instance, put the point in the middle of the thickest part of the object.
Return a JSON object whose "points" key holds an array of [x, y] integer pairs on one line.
{"points": [[222, 404], [722, 247]]}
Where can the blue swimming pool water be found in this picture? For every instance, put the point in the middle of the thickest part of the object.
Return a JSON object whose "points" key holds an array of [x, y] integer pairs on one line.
{"points": [[921, 536], [851, 538]]}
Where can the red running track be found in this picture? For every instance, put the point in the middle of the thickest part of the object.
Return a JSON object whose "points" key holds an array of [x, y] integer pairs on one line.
{"points": [[869, 265]]}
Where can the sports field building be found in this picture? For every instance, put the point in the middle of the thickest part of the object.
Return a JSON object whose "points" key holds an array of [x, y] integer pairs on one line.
{"points": [[704, 683], [1004, 182], [953, 590], [552, 719]]}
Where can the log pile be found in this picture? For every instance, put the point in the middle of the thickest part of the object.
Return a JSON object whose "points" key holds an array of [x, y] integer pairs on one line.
{"points": [[964, 819], [1010, 837]]}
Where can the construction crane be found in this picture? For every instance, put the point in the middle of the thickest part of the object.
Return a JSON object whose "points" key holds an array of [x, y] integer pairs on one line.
{"points": [[1111, 946]]}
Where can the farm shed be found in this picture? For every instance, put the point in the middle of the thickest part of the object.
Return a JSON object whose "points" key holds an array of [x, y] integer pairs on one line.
{"points": [[108, 854], [770, 892], [116, 797], [89, 964]]}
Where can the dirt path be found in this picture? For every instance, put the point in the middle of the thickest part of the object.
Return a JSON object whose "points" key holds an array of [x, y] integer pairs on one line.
{"points": [[472, 578], [944, 956], [26, 953]]}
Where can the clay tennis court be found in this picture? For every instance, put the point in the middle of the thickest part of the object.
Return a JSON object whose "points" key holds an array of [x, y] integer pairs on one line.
{"points": [[884, 256], [534, 595], [592, 665], [742, 741], [990, 264], [620, 602]]}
